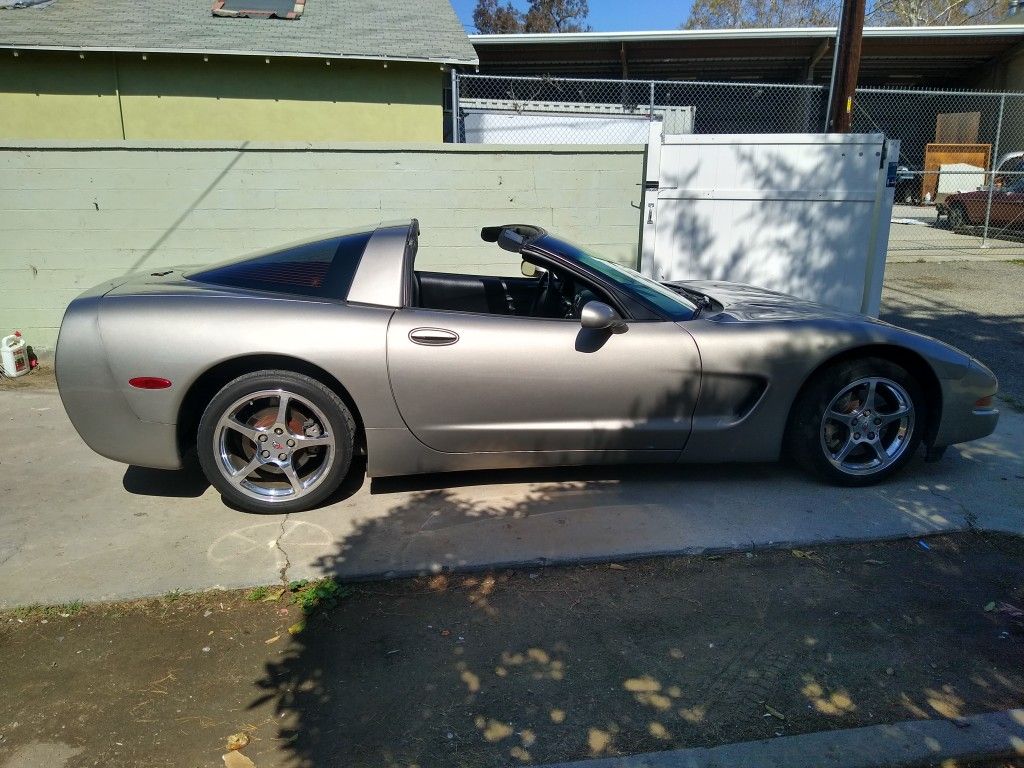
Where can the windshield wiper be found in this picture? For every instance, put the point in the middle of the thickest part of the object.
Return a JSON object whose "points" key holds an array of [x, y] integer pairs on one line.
{"points": [[703, 302]]}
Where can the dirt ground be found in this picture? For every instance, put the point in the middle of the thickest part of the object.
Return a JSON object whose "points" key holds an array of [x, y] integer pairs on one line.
{"points": [[526, 666]]}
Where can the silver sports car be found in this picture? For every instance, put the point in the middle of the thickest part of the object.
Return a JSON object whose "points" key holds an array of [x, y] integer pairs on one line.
{"points": [[278, 368]]}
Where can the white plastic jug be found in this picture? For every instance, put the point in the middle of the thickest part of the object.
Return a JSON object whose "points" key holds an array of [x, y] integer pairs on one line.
{"points": [[14, 354]]}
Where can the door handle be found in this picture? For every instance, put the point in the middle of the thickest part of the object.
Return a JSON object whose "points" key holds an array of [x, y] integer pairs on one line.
{"points": [[433, 337]]}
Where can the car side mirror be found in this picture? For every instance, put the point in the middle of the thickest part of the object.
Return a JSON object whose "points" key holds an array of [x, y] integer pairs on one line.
{"points": [[598, 316]]}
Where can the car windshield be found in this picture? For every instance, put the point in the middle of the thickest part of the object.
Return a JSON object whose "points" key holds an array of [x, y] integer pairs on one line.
{"points": [[667, 301]]}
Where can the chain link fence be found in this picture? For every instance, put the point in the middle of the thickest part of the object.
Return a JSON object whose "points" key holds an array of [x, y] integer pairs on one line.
{"points": [[960, 185]]}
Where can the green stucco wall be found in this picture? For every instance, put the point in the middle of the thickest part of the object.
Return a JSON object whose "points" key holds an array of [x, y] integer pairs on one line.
{"points": [[73, 214], [244, 98]]}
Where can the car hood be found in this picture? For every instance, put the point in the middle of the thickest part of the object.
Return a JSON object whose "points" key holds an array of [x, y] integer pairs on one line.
{"points": [[737, 302]]}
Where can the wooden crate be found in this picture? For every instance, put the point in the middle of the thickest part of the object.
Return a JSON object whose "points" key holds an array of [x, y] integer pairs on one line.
{"points": [[936, 155]]}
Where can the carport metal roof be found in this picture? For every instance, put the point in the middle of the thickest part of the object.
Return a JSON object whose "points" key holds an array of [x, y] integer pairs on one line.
{"points": [[911, 55]]}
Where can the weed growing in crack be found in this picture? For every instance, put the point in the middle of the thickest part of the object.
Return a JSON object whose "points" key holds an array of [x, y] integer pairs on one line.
{"points": [[318, 595]]}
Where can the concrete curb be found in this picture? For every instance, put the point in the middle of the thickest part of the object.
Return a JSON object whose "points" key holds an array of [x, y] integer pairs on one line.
{"points": [[910, 743]]}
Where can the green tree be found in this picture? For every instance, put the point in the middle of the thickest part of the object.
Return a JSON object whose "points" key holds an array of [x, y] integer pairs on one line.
{"points": [[493, 17], [557, 16], [934, 13], [737, 14]]}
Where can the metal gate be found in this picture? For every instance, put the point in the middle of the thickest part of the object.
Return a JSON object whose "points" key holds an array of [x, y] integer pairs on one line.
{"points": [[804, 214], [951, 141]]}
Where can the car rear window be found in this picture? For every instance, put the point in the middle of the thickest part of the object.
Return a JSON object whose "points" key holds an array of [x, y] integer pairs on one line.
{"points": [[323, 268]]}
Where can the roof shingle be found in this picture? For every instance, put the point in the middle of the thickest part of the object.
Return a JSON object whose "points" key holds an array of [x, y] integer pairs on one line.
{"points": [[401, 30]]}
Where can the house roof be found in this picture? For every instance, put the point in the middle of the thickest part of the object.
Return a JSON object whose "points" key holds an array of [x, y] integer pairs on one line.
{"points": [[398, 30]]}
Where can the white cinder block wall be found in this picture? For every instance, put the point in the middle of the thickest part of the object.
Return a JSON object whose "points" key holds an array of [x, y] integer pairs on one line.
{"points": [[74, 215]]}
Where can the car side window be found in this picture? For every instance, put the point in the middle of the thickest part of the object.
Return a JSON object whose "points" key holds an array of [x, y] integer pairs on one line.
{"points": [[550, 294], [322, 268]]}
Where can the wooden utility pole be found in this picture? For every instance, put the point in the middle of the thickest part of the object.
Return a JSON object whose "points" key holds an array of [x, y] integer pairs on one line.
{"points": [[847, 67]]}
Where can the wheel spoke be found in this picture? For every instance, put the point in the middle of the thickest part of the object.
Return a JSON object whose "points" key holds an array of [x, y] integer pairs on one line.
{"points": [[231, 422], [897, 415], [837, 415], [293, 478], [244, 472], [312, 442], [869, 400], [879, 450], [282, 408], [844, 451]]}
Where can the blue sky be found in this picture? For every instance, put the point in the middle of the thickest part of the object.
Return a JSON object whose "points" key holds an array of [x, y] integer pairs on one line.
{"points": [[609, 15]]}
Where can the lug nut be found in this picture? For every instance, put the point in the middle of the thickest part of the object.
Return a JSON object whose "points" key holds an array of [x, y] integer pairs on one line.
{"points": [[877, 422], [262, 438], [282, 456], [265, 454], [291, 443], [278, 431], [856, 435], [871, 435]]}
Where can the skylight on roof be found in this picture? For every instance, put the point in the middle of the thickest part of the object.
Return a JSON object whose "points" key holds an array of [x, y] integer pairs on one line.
{"points": [[259, 9], [11, 4]]}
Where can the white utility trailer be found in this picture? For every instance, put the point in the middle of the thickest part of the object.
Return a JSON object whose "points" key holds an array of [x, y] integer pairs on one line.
{"points": [[804, 214], [507, 121]]}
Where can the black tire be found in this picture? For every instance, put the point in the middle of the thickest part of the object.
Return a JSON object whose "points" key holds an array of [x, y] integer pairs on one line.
{"points": [[810, 435], [958, 218], [307, 400]]}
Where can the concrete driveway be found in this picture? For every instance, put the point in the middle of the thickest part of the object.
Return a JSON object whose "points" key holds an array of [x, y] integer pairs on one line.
{"points": [[76, 526]]}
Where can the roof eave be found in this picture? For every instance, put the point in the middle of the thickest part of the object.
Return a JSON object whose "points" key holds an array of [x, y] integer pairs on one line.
{"points": [[741, 34], [221, 52]]}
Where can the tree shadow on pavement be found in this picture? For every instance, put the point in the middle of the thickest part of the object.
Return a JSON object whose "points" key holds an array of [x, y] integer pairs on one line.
{"points": [[541, 665], [949, 303]]}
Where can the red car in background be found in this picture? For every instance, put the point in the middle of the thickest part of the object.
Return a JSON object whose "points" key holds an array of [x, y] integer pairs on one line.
{"points": [[964, 209]]}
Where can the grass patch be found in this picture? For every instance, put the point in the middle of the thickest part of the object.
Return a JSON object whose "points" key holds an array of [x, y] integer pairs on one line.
{"points": [[256, 594], [1018, 262], [40, 611]]}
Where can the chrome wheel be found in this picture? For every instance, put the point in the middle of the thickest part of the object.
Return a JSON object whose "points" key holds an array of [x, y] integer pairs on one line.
{"points": [[274, 445], [867, 426]]}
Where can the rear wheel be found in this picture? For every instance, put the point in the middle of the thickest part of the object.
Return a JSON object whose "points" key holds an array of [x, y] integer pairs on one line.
{"points": [[858, 422], [957, 217], [275, 441]]}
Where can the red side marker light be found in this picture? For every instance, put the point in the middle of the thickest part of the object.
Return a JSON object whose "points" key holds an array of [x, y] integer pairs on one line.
{"points": [[983, 402], [149, 382]]}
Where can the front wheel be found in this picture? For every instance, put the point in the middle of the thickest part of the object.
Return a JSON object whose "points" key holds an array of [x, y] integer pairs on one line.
{"points": [[858, 422], [275, 441]]}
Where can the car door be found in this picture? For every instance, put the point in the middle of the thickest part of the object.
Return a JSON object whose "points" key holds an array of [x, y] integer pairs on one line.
{"points": [[1008, 205], [467, 382]]}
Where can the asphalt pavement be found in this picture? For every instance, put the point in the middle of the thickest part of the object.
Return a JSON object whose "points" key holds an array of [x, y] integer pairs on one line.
{"points": [[978, 307], [76, 526]]}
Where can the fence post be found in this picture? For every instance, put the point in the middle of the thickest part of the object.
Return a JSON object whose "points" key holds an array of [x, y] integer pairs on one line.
{"points": [[455, 106], [650, 114], [992, 177]]}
